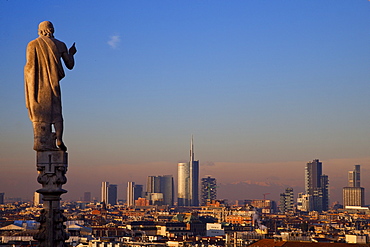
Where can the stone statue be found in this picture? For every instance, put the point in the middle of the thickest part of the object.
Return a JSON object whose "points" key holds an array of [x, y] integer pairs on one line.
{"points": [[42, 72]]}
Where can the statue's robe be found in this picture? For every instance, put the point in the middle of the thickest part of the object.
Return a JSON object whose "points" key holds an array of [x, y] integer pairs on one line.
{"points": [[43, 71]]}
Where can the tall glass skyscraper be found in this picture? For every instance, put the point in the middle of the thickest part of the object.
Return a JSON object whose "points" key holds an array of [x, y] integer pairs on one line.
{"points": [[183, 190], [188, 181], [112, 194], [163, 185]]}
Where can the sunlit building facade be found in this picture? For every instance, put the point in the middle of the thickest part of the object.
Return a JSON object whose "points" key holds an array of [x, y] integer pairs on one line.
{"points": [[104, 192], [188, 181], [287, 201]]}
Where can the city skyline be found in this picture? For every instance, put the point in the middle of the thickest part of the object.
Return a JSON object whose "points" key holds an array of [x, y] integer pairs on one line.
{"points": [[268, 86]]}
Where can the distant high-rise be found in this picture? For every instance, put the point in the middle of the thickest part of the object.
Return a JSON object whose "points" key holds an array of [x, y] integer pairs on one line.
{"points": [[153, 184], [87, 197], [183, 193], [104, 192], [138, 191], [2, 198], [194, 177], [130, 194], [287, 201], [163, 185], [37, 200], [313, 173], [208, 190], [354, 177], [167, 188], [112, 194], [188, 181], [354, 194], [134, 192], [317, 186]]}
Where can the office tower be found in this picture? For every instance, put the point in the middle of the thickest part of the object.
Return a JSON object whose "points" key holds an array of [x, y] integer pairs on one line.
{"points": [[37, 200], [317, 186], [153, 184], [87, 197], [208, 190], [104, 192], [287, 201], [354, 194], [354, 177], [138, 191], [2, 198], [134, 192], [163, 185], [188, 181], [112, 194], [183, 177], [130, 194], [167, 189]]}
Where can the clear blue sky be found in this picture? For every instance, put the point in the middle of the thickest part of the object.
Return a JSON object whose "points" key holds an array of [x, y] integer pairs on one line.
{"points": [[259, 83]]}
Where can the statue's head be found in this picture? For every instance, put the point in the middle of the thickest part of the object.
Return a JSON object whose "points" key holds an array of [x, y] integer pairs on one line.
{"points": [[46, 28]]}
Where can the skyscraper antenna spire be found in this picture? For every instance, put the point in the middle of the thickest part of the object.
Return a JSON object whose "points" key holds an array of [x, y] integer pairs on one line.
{"points": [[191, 150]]}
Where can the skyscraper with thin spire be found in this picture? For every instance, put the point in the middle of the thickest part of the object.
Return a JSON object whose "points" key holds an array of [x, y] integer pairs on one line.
{"points": [[188, 180]]}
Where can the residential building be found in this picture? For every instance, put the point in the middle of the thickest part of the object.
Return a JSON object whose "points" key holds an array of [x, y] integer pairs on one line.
{"points": [[304, 202], [317, 186], [208, 190], [287, 201]]}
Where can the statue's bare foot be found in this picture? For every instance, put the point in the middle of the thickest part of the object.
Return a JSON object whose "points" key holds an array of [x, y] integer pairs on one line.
{"points": [[61, 146]]}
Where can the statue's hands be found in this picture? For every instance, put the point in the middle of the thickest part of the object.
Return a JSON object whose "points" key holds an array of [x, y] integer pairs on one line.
{"points": [[72, 50]]}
